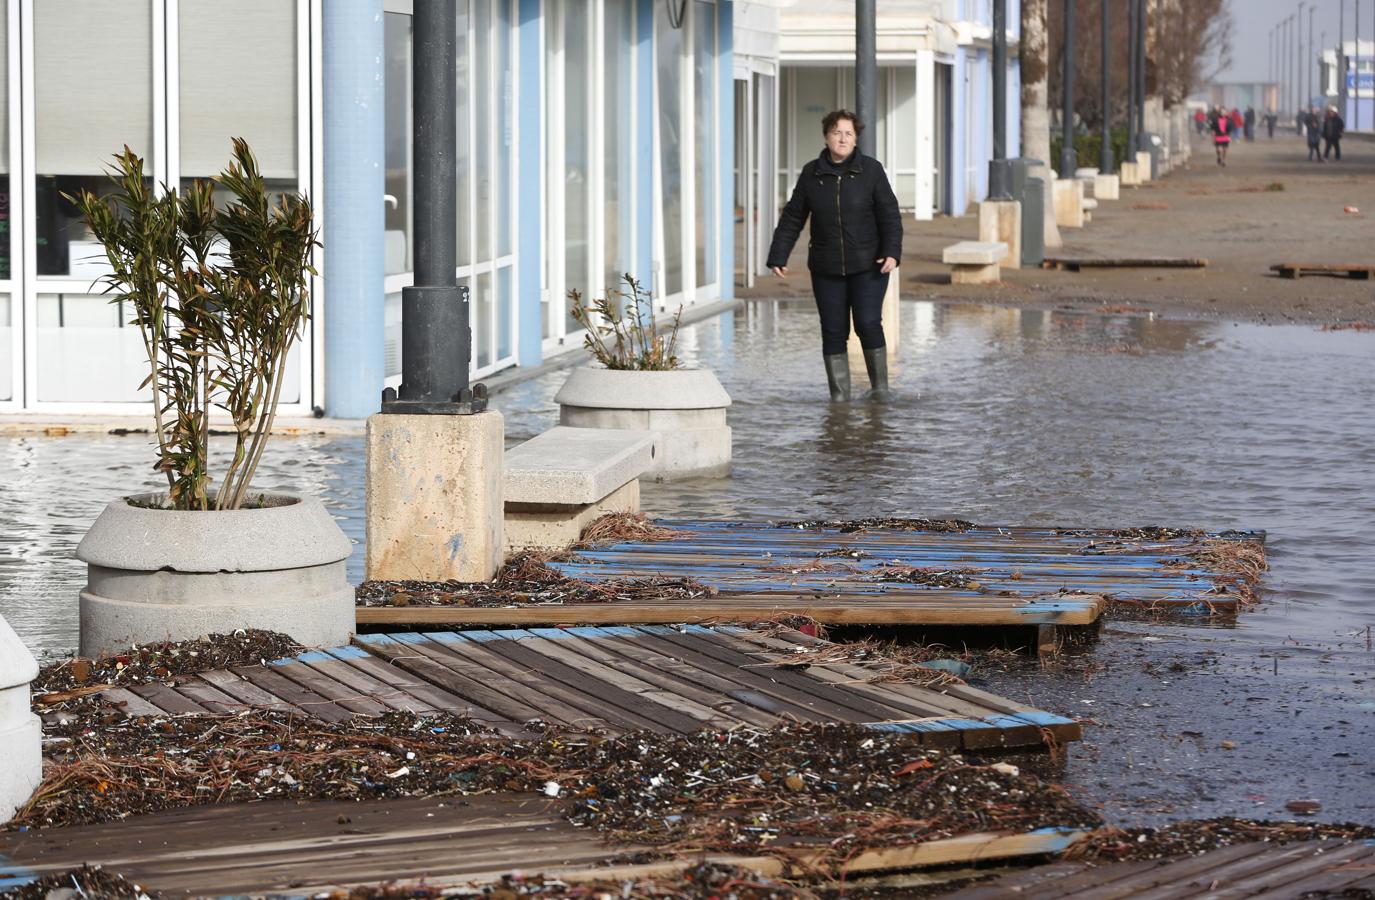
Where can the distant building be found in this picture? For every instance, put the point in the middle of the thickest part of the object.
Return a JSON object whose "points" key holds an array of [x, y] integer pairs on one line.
{"points": [[1356, 59], [1259, 95]]}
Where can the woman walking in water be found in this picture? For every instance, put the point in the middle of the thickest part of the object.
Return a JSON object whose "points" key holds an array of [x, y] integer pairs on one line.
{"points": [[1222, 137], [856, 241]]}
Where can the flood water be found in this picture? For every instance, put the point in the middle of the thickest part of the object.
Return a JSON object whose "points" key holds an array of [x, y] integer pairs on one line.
{"points": [[1008, 417]]}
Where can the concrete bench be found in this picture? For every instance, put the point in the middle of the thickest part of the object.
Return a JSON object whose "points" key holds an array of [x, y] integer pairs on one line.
{"points": [[560, 481], [1088, 205], [975, 262]]}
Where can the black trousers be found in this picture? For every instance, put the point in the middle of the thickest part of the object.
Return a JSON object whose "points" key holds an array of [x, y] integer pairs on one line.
{"points": [[839, 297], [1333, 144]]}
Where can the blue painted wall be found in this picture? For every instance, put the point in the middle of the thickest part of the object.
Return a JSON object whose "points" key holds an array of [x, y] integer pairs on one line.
{"points": [[529, 224], [354, 160]]}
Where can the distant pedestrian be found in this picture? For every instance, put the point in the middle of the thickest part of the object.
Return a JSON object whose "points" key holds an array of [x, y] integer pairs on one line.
{"points": [[1333, 127], [855, 242], [1270, 120], [1312, 125], [1250, 123], [1222, 135], [1237, 121], [1201, 122]]}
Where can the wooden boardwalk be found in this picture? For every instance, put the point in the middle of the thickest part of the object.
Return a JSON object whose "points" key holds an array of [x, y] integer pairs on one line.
{"points": [[1285, 872], [616, 679], [299, 849], [760, 572]]}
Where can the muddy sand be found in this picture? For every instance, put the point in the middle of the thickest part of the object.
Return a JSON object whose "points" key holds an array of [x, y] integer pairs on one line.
{"points": [[1238, 218]]}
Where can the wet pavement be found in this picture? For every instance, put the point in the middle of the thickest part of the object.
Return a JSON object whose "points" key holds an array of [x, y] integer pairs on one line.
{"points": [[1005, 417]]}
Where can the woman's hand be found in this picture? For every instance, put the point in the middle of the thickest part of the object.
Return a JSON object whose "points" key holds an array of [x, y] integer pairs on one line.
{"points": [[780, 271], [888, 264]]}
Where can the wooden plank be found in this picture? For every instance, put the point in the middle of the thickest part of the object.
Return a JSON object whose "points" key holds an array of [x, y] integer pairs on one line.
{"points": [[246, 692], [208, 696], [168, 700], [512, 702], [596, 702], [1272, 869], [1298, 869], [398, 679], [355, 679], [131, 703], [345, 696], [305, 700]]}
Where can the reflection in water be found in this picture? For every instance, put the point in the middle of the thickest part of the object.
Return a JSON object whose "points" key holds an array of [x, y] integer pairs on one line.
{"points": [[1003, 417]]}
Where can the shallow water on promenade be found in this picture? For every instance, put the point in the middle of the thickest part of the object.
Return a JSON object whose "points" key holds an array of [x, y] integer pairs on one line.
{"points": [[1004, 417]]}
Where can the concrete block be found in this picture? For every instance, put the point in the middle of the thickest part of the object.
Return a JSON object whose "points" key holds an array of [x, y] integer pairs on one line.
{"points": [[159, 574], [1143, 165], [1000, 221], [1086, 172], [1128, 176], [974, 253], [1106, 187], [21, 732], [573, 466], [435, 497], [892, 321], [1089, 203], [971, 274], [549, 526], [1069, 203]]}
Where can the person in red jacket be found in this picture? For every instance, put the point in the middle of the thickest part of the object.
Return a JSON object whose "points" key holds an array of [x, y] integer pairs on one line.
{"points": [[1200, 121]]}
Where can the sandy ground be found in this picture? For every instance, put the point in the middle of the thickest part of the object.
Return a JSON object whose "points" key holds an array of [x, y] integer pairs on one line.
{"points": [[1225, 215]]}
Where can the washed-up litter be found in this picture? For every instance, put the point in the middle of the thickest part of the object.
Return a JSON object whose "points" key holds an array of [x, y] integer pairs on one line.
{"points": [[841, 787], [526, 580], [614, 528], [87, 881], [956, 579]]}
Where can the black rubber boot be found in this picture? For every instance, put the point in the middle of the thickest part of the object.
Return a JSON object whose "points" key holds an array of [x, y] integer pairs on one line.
{"points": [[876, 361], [838, 377]]}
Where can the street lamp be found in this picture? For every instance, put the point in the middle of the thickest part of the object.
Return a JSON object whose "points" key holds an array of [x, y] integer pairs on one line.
{"points": [[1105, 162], [1131, 79], [999, 172], [1069, 159]]}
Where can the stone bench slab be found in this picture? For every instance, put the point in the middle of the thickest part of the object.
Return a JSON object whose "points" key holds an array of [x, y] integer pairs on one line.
{"points": [[568, 466], [1089, 203], [975, 253]]}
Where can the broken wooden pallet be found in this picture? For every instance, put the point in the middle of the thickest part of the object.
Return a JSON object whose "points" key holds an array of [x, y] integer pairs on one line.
{"points": [[655, 678], [974, 576], [302, 849], [1077, 263], [1335, 868], [1335, 270]]}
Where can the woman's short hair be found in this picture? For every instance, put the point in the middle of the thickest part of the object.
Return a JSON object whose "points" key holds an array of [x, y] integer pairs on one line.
{"points": [[833, 118]]}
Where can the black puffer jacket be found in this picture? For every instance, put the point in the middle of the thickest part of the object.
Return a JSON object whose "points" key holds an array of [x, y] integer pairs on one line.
{"points": [[855, 218]]}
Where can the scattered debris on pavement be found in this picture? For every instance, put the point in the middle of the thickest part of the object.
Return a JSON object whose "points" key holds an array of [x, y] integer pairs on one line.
{"points": [[884, 523], [1196, 836], [87, 881]]}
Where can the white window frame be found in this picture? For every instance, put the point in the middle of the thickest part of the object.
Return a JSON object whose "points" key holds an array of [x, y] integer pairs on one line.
{"points": [[13, 286], [165, 170]]}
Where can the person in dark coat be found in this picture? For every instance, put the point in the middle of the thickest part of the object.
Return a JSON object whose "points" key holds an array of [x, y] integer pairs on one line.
{"points": [[1313, 129], [1333, 127], [1270, 120], [856, 241], [1249, 123]]}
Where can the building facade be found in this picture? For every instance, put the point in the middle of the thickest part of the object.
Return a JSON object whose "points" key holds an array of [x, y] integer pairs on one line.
{"points": [[1356, 61], [595, 138]]}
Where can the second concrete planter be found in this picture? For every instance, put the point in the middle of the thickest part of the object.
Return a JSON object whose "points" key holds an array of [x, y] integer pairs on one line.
{"points": [[686, 408], [160, 574]]}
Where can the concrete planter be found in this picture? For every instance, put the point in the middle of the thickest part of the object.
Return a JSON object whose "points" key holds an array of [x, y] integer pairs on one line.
{"points": [[159, 574], [21, 733], [686, 408]]}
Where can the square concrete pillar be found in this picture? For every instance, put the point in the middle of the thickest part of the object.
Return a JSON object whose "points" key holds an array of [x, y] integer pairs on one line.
{"points": [[1127, 176], [1051, 231], [435, 497], [891, 323], [1069, 203], [1000, 221], [1143, 165], [1106, 187]]}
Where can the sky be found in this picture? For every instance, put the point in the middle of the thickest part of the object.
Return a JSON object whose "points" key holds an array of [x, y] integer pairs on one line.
{"points": [[1252, 21]]}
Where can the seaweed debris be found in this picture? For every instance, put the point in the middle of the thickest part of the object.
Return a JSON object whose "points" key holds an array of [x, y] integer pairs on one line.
{"points": [[954, 579], [527, 579], [1196, 836], [75, 677], [616, 528], [1144, 533], [880, 523], [842, 787]]}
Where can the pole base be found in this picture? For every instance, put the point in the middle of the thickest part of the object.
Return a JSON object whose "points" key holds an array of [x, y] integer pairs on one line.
{"points": [[466, 402]]}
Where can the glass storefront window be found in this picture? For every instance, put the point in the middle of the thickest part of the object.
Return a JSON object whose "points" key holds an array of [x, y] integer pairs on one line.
{"points": [[73, 330], [618, 171], [704, 127], [668, 51], [93, 94], [577, 156], [6, 348], [237, 74], [399, 185]]}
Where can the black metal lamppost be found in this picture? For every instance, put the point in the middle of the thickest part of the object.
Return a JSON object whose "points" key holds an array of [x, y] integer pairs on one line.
{"points": [[1069, 159], [436, 340], [866, 71]]}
